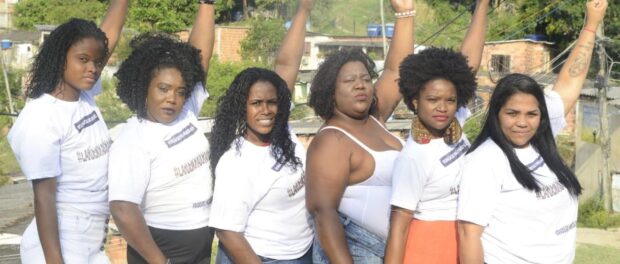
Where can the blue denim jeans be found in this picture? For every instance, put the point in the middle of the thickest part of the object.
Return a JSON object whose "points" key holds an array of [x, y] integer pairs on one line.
{"points": [[222, 258], [364, 246]]}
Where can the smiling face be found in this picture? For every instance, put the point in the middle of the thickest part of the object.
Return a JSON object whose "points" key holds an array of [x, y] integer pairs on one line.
{"points": [[261, 109], [82, 68], [519, 119], [354, 90], [436, 105], [166, 96]]}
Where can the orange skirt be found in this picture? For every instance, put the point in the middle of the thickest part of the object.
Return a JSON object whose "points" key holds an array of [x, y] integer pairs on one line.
{"points": [[432, 242]]}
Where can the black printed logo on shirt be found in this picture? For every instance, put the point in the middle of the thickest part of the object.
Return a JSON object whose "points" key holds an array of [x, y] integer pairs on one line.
{"points": [[177, 138], [549, 191], [86, 121], [455, 153]]}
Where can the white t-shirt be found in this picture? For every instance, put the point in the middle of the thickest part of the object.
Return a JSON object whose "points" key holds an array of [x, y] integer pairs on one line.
{"points": [[521, 226], [69, 141], [164, 168], [264, 202], [427, 176]]}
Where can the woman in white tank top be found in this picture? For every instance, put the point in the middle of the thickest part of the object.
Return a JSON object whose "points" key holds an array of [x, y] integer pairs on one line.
{"points": [[350, 160]]}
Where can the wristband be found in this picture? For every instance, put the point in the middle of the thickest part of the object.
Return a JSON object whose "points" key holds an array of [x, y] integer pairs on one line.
{"points": [[407, 13], [208, 2]]}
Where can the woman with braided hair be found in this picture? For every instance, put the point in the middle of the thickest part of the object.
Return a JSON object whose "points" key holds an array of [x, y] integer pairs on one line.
{"points": [[61, 142]]}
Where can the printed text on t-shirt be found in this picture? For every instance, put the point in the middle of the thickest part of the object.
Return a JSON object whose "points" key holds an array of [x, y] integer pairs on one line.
{"points": [[86, 121], [192, 165], [455, 153], [95, 152], [177, 138]]}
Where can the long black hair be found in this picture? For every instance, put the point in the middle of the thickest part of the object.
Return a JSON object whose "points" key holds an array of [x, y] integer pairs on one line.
{"points": [[151, 53], [323, 84], [542, 140], [49, 64], [230, 119]]}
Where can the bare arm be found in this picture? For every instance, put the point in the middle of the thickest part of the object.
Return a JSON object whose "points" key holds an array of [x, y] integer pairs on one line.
{"points": [[573, 74], [112, 24], [47, 218], [470, 246], [327, 176], [291, 51], [473, 44], [400, 219], [203, 33], [131, 224], [237, 247], [387, 90]]}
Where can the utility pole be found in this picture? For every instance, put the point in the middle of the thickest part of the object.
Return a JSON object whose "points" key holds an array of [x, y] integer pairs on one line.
{"points": [[383, 30], [601, 80]]}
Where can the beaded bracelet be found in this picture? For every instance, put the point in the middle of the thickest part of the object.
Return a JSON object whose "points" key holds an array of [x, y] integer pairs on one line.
{"points": [[407, 13]]}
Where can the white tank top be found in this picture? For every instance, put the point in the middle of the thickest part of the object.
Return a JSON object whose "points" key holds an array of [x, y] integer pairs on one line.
{"points": [[368, 203]]}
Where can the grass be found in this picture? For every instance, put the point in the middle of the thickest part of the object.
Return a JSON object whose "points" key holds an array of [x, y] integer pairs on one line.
{"points": [[592, 254]]}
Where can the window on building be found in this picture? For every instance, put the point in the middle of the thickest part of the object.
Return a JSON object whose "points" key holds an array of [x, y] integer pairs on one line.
{"points": [[500, 63]]}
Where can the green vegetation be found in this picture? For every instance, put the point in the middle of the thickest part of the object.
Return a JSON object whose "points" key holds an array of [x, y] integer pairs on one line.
{"points": [[592, 254], [592, 213], [263, 40]]}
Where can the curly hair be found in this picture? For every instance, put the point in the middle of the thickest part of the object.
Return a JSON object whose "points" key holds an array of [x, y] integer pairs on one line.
{"points": [[49, 63], [230, 119], [323, 84], [436, 63], [151, 53]]}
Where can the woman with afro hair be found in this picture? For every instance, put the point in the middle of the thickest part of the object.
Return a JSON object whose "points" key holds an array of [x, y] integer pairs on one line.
{"points": [[518, 201], [258, 208], [61, 142], [160, 185], [436, 84], [350, 160]]}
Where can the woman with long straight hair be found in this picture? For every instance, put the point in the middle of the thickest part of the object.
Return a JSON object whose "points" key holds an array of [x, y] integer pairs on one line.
{"points": [[518, 200]]}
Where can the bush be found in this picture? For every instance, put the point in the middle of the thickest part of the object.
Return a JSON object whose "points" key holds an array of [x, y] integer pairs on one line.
{"points": [[592, 213]]}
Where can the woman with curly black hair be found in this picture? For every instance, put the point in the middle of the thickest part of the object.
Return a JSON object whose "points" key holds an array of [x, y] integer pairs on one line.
{"points": [[160, 184], [518, 201], [61, 142], [258, 205], [436, 84]]}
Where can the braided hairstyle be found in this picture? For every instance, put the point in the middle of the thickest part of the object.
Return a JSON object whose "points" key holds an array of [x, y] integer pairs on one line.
{"points": [[49, 64]]}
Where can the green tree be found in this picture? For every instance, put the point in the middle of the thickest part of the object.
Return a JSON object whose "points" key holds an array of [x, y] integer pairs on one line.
{"points": [[221, 75], [263, 40], [33, 12], [161, 15]]}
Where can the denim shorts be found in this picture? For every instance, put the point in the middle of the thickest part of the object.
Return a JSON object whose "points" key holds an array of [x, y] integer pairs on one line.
{"points": [[364, 246], [222, 258]]}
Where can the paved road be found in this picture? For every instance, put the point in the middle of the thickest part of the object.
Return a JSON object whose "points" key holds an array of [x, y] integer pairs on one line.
{"points": [[16, 213]]}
